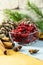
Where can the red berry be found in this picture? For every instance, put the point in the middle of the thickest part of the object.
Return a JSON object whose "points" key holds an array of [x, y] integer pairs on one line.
{"points": [[24, 35], [15, 39], [19, 30], [27, 41]]}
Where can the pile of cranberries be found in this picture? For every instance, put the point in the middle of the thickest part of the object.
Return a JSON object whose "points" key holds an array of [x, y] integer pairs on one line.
{"points": [[24, 33]]}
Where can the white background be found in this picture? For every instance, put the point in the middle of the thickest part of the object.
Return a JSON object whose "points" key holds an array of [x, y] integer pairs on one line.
{"points": [[14, 3]]}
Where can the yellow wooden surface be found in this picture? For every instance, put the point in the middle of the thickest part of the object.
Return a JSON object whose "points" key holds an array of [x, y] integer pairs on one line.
{"points": [[16, 58]]}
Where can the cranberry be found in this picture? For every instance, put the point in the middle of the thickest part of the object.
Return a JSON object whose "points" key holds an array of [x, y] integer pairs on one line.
{"points": [[21, 33]]}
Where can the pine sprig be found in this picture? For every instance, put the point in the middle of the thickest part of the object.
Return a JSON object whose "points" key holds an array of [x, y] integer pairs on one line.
{"points": [[15, 16], [39, 24], [35, 8]]}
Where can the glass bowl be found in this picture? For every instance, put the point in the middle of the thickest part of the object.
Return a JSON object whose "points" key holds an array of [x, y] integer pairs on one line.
{"points": [[32, 37]]}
